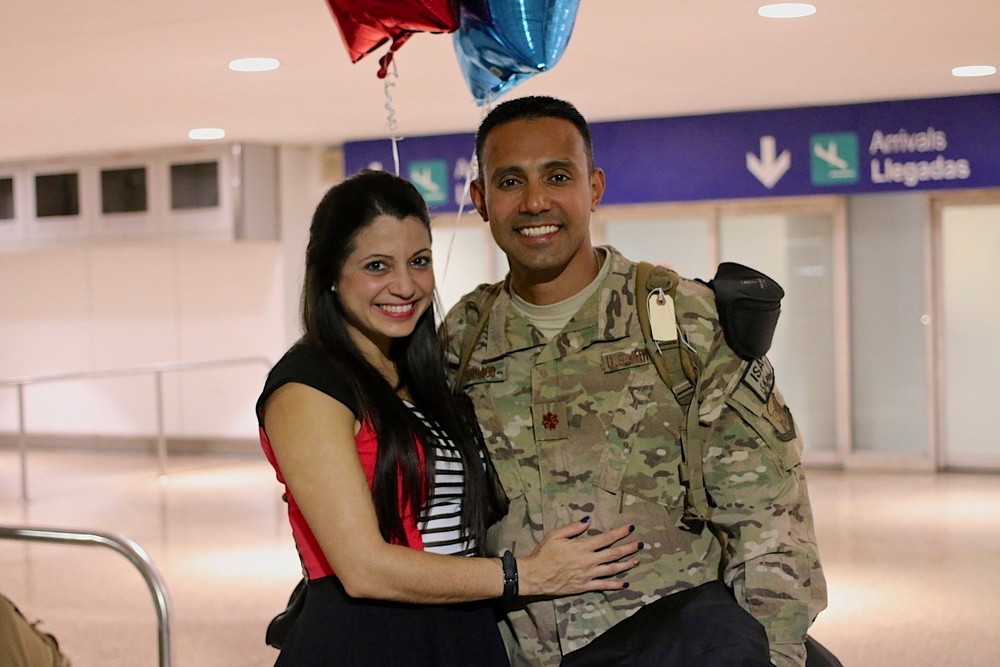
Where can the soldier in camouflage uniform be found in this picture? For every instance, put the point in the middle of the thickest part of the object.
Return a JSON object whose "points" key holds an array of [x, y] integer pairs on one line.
{"points": [[23, 644], [578, 422]]}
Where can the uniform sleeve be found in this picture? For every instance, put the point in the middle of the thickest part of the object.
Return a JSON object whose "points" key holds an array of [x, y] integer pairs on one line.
{"points": [[449, 333], [454, 327], [754, 479], [758, 487]]}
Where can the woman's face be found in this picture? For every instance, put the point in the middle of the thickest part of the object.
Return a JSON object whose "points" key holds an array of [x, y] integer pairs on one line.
{"points": [[387, 282]]}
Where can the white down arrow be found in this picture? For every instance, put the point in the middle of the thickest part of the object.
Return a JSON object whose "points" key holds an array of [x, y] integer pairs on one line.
{"points": [[769, 167]]}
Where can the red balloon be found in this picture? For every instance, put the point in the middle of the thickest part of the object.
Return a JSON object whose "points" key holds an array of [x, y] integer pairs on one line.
{"points": [[366, 25]]}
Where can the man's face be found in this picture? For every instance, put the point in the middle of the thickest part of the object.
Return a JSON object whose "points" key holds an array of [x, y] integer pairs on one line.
{"points": [[537, 193]]}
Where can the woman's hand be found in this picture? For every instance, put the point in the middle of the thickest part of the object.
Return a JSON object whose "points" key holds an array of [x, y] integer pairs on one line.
{"points": [[566, 563]]}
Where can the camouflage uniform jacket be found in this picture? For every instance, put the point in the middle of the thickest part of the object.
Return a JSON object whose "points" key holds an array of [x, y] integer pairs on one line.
{"points": [[582, 425]]}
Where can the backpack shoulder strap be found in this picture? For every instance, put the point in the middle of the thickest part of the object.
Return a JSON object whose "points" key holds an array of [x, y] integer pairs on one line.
{"points": [[481, 307], [656, 287]]}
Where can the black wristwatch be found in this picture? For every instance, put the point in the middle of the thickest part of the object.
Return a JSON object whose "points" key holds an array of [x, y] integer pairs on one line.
{"points": [[509, 575]]}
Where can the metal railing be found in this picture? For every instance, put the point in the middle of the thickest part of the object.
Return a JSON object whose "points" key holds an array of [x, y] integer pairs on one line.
{"points": [[123, 545], [157, 370]]}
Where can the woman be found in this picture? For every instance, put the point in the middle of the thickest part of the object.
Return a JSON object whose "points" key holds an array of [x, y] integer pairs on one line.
{"points": [[387, 486]]}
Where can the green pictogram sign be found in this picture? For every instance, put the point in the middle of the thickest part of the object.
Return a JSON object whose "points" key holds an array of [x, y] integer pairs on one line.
{"points": [[833, 158], [431, 179]]}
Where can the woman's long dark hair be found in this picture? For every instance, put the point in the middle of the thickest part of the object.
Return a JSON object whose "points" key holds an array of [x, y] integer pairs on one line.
{"points": [[346, 209]]}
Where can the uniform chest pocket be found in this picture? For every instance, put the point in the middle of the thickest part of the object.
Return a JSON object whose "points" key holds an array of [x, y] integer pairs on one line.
{"points": [[643, 452], [507, 468], [653, 473]]}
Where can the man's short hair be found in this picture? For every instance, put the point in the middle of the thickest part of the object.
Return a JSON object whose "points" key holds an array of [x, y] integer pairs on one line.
{"points": [[532, 108]]}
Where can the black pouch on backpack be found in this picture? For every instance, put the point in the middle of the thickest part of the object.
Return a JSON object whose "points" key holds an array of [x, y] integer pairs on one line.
{"points": [[749, 303]]}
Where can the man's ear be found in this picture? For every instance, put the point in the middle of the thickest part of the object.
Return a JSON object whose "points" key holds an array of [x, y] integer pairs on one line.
{"points": [[478, 196], [596, 188]]}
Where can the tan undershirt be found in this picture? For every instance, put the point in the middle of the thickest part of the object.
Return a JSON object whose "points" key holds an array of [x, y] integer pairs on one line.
{"points": [[551, 319]]}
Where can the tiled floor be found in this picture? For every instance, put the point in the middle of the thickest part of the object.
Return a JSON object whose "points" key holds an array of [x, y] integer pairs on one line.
{"points": [[913, 560], [216, 531]]}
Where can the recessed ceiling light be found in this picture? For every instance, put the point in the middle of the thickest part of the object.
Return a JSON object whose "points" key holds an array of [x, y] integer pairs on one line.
{"points": [[204, 133], [253, 64], [787, 10], [974, 70]]}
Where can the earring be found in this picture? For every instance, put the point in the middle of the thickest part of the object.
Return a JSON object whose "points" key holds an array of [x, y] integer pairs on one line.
{"points": [[333, 288]]}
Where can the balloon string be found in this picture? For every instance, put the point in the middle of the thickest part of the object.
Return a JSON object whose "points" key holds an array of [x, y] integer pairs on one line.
{"points": [[391, 125], [462, 201], [470, 173]]}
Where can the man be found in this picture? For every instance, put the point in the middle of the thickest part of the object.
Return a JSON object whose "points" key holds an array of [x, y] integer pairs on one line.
{"points": [[22, 644], [578, 422]]}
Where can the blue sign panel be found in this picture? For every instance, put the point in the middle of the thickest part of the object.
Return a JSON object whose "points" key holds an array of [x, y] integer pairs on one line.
{"points": [[937, 143], [453, 152]]}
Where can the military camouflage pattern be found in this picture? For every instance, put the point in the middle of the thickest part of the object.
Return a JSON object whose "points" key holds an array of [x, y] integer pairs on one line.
{"points": [[583, 425]]}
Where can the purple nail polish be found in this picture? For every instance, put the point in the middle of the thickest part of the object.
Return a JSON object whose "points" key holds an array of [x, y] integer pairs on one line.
{"points": [[625, 585], [631, 528], [641, 545], [585, 519]]}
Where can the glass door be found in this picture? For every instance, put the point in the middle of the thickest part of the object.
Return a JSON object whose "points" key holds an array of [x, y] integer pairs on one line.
{"points": [[681, 238], [969, 315], [464, 256], [797, 249]]}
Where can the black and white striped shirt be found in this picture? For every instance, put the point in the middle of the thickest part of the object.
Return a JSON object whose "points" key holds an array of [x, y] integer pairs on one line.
{"points": [[439, 522]]}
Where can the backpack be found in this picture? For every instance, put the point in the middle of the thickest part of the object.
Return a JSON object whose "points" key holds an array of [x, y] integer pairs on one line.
{"points": [[748, 304]]}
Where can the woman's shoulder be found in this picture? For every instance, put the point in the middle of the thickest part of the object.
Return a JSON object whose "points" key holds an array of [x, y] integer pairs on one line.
{"points": [[307, 364], [302, 355]]}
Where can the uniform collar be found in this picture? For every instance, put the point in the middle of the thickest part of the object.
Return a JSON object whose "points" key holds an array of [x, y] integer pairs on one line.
{"points": [[608, 314]]}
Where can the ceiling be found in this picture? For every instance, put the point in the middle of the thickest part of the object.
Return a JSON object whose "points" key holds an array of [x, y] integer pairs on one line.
{"points": [[113, 76]]}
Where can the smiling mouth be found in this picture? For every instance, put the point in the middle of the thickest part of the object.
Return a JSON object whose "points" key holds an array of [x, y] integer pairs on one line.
{"points": [[538, 231], [397, 309]]}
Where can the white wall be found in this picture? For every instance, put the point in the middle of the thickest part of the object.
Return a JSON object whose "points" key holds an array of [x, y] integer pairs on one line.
{"points": [[114, 306], [305, 174], [121, 304]]}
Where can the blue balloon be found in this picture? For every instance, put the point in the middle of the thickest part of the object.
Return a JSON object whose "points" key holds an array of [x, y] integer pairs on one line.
{"points": [[500, 43]]}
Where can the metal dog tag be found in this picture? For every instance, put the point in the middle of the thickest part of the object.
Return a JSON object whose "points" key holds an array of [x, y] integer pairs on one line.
{"points": [[662, 319]]}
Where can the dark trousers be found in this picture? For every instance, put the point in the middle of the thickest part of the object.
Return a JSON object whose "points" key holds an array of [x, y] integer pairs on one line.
{"points": [[817, 655], [337, 630], [700, 627]]}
